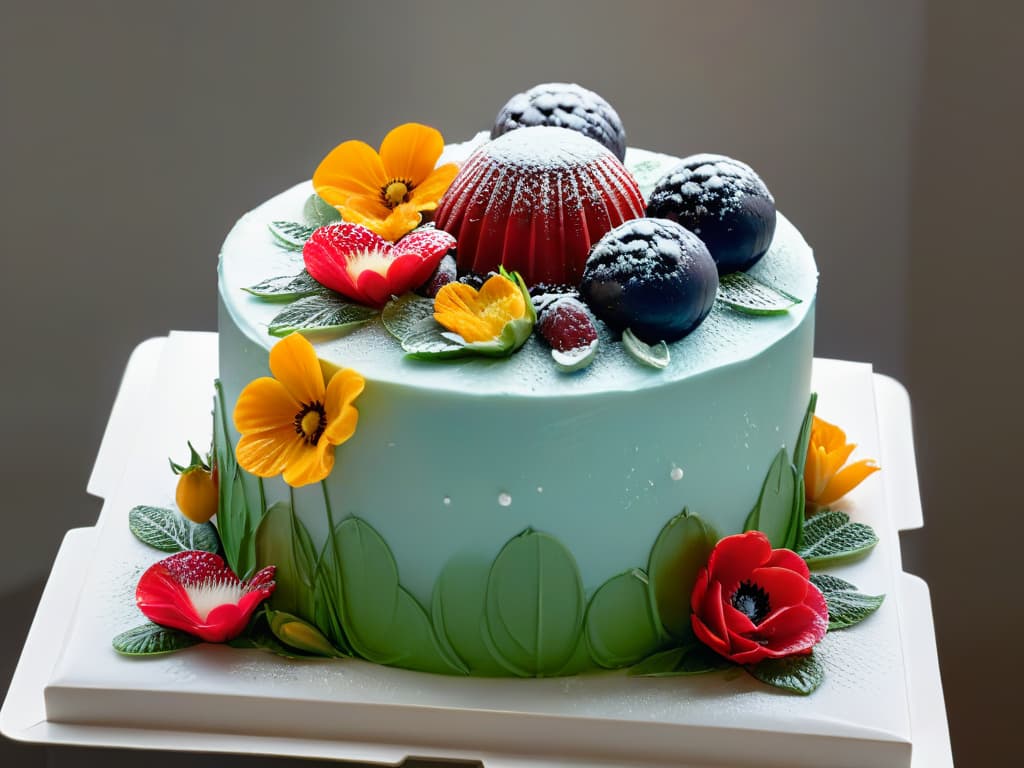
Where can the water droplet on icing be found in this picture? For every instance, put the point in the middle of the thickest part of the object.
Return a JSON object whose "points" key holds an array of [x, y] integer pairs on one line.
{"points": [[504, 499], [540, 489], [447, 501], [391, 444], [676, 473]]}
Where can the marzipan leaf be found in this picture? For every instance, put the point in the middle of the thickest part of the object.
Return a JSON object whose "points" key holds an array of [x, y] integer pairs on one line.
{"points": [[846, 606], [151, 640], [457, 610], [404, 315], [318, 212], [286, 288], [620, 626], [743, 293], [653, 355], [830, 538], [778, 513], [803, 440], [291, 234], [170, 531], [428, 342], [325, 313], [797, 674], [690, 659], [679, 553], [283, 541]]}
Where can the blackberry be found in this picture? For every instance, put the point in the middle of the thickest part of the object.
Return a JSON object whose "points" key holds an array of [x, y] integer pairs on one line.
{"points": [[564, 105], [651, 276], [723, 202]]}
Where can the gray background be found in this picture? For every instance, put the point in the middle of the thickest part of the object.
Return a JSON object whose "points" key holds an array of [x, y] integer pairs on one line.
{"points": [[133, 134]]}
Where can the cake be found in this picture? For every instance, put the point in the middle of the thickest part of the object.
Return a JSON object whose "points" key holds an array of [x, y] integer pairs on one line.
{"points": [[485, 415]]}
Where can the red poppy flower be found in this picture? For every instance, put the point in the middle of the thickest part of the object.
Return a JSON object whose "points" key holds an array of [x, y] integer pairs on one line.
{"points": [[753, 602], [362, 265], [197, 593]]}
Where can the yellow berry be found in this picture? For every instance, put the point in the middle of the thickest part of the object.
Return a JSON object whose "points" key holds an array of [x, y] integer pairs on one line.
{"points": [[196, 495]]}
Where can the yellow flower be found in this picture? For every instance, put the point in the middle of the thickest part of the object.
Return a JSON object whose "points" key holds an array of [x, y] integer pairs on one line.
{"points": [[291, 423], [495, 320], [385, 191], [825, 478]]}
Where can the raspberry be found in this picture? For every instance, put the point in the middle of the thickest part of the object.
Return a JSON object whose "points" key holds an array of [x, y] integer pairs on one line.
{"points": [[444, 274], [564, 105], [723, 202], [566, 324]]}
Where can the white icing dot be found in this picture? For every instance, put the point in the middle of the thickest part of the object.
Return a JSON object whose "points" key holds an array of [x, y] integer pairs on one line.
{"points": [[676, 473], [391, 444], [504, 499], [540, 489], [447, 501]]}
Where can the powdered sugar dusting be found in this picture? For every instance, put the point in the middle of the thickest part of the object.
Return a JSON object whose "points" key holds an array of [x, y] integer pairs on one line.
{"points": [[544, 148]]}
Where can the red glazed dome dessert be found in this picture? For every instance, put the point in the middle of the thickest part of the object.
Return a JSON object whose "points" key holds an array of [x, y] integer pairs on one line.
{"points": [[534, 200]]}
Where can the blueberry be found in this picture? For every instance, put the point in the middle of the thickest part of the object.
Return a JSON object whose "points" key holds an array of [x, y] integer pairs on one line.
{"points": [[722, 201], [564, 105], [651, 276]]}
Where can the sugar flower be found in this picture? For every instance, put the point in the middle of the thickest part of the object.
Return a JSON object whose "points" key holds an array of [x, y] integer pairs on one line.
{"points": [[495, 320], [196, 592], [362, 265], [825, 478], [291, 423], [385, 191]]}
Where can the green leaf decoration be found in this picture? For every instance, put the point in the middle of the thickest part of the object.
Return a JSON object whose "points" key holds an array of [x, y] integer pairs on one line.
{"points": [[383, 622], [291, 234], [803, 440], [258, 636], [286, 288], [620, 626], [323, 313], [830, 538], [406, 314], [743, 293], [329, 598], [283, 541], [169, 531], [318, 212], [653, 355], [457, 609], [152, 640], [679, 553], [300, 635], [846, 606], [428, 342], [238, 517], [535, 605], [797, 674], [778, 512], [575, 359], [690, 659]]}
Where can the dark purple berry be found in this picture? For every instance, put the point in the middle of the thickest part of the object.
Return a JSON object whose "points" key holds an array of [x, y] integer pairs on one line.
{"points": [[651, 276], [564, 105], [566, 324], [444, 274], [723, 202]]}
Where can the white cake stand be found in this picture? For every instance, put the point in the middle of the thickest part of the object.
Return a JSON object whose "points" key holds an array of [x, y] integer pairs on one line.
{"points": [[885, 707]]}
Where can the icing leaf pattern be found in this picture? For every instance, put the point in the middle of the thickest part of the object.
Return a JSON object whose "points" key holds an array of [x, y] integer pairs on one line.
{"points": [[680, 551], [620, 627]]}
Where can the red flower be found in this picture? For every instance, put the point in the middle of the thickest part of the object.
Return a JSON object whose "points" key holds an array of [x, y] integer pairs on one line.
{"points": [[753, 602], [362, 265], [197, 593]]}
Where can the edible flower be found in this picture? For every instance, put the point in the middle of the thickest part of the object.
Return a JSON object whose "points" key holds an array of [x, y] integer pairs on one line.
{"points": [[496, 320], [362, 265], [385, 191], [196, 592], [753, 602], [291, 423], [825, 477]]}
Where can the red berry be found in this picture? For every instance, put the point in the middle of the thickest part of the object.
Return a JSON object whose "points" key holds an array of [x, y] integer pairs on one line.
{"points": [[444, 274], [566, 324]]}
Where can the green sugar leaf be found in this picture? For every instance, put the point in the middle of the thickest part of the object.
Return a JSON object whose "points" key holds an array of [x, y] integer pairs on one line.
{"points": [[779, 510], [679, 553], [283, 541], [846, 606], [457, 610], [318, 212], [797, 674], [535, 605], [653, 355], [290, 234], [406, 314], [830, 538], [325, 313], [286, 288], [803, 440], [428, 342], [169, 531], [620, 626], [689, 659], [152, 640], [743, 293]]}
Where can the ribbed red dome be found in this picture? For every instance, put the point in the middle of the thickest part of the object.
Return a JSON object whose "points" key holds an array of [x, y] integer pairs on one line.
{"points": [[534, 200]]}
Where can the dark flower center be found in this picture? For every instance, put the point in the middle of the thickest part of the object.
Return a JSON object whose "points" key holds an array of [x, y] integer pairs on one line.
{"points": [[752, 601], [396, 192], [310, 422]]}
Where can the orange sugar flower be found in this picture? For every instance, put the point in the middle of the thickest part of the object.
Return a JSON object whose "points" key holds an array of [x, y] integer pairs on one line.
{"points": [[496, 320], [825, 478], [386, 190], [291, 423]]}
